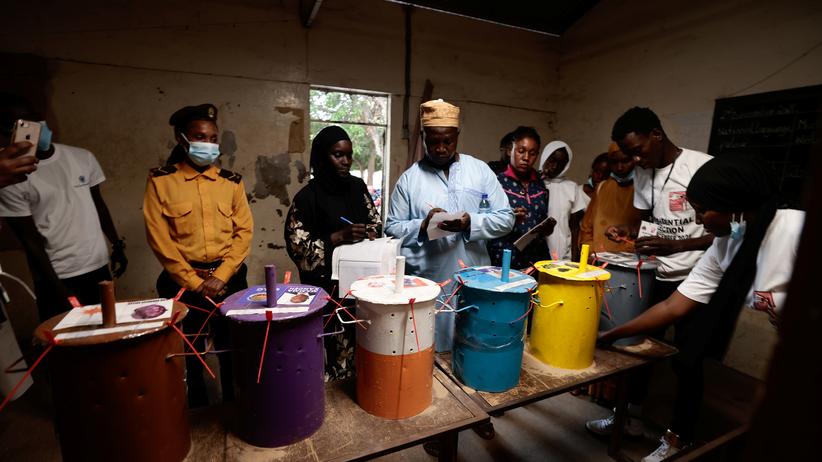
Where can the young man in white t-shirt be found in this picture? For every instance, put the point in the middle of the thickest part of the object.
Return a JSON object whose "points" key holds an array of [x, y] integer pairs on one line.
{"points": [[749, 264], [59, 216], [660, 182]]}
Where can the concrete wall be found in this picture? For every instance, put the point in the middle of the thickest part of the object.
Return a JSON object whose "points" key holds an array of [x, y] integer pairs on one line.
{"points": [[677, 57], [111, 73]]}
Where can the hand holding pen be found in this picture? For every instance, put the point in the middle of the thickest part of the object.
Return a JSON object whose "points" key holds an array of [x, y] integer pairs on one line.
{"points": [[354, 232]]}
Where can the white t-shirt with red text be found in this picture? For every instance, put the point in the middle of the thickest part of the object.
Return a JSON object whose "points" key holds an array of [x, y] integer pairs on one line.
{"points": [[673, 215]]}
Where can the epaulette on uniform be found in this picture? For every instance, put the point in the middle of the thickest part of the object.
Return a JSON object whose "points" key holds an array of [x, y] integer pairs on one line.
{"points": [[231, 176], [163, 171]]}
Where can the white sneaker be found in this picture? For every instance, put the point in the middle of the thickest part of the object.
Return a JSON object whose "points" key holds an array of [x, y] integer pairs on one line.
{"points": [[604, 427], [665, 450]]}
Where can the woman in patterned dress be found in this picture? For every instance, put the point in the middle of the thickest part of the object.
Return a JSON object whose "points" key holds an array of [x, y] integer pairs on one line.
{"points": [[315, 226], [529, 200]]}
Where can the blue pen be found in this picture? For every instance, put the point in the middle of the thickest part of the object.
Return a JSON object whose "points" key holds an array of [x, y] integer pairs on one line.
{"points": [[347, 220]]}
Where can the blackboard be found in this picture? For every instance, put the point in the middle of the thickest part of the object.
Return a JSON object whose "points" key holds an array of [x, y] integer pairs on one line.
{"points": [[781, 126]]}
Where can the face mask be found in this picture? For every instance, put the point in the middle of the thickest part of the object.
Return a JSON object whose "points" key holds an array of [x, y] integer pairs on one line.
{"points": [[738, 227], [202, 153], [44, 143], [627, 179]]}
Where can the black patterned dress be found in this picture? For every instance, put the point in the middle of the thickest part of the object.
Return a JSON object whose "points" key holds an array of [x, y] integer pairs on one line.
{"points": [[534, 197], [314, 215]]}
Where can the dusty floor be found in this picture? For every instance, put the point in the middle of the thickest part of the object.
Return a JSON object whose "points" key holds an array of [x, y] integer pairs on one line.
{"points": [[552, 429]]}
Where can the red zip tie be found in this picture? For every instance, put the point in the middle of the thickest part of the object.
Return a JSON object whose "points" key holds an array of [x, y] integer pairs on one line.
{"points": [[604, 264], [331, 299], [287, 277], [530, 307], [328, 320], [74, 302], [193, 307], [196, 353], [208, 318], [601, 285], [444, 283], [359, 321], [25, 376], [555, 254], [639, 278], [461, 263], [179, 294], [459, 286], [268, 317], [353, 318], [414, 322]]}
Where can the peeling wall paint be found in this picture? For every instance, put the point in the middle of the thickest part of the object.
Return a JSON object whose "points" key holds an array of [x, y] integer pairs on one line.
{"points": [[273, 177], [110, 87]]}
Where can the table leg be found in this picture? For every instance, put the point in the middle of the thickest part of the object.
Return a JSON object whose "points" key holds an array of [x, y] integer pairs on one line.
{"points": [[450, 442], [619, 417]]}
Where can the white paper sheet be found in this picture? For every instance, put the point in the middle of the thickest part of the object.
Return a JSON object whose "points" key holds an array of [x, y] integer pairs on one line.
{"points": [[126, 312], [529, 237], [434, 232], [366, 258]]}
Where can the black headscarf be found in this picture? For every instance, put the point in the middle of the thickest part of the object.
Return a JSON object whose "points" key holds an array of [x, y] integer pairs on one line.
{"points": [[335, 196], [320, 164], [731, 184], [327, 199]]}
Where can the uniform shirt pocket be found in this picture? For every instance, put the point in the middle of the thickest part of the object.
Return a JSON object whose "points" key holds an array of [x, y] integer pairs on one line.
{"points": [[180, 218], [224, 221]]}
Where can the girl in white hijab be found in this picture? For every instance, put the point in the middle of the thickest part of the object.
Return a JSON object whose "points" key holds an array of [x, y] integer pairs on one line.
{"points": [[566, 201]]}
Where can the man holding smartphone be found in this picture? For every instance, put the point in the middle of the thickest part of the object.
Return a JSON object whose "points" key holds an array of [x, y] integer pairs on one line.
{"points": [[59, 216]]}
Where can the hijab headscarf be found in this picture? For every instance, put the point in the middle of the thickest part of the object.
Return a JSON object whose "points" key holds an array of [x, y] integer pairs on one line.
{"points": [[546, 153], [335, 196], [320, 164], [730, 184]]}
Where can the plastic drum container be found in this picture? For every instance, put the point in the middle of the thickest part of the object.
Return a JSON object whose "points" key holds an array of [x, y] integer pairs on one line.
{"points": [[564, 333], [629, 294], [288, 403], [395, 353], [120, 396], [490, 327]]}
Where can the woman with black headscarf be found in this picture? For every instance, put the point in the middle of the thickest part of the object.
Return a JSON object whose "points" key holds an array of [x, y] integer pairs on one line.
{"points": [[749, 264], [333, 209]]}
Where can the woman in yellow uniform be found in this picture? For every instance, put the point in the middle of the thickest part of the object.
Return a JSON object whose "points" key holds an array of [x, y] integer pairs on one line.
{"points": [[199, 226]]}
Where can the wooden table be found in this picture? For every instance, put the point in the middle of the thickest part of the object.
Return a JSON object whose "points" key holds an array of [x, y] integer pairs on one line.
{"points": [[348, 432], [539, 381]]}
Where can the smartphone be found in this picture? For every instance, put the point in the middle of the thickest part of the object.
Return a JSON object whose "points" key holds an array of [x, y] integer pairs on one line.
{"points": [[26, 130]]}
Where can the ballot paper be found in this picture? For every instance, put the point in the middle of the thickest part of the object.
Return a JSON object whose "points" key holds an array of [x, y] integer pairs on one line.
{"points": [[529, 237], [366, 258], [127, 312], [647, 229], [298, 295], [434, 232]]}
